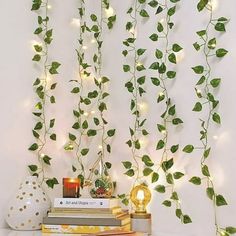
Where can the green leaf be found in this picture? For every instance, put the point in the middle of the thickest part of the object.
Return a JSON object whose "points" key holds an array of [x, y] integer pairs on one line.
{"points": [[155, 81], [196, 46], [111, 132], [216, 118], [161, 128], [53, 86], [143, 13], [75, 90], [160, 27], [207, 152], [141, 80], [38, 48], [93, 17], [174, 148], [72, 137], [147, 171], [230, 230], [53, 137], [215, 82], [159, 10], [178, 175], [108, 165], [221, 52], [91, 132], [171, 74], [36, 135], [205, 171], [126, 68], [33, 168], [154, 37], [186, 219], [201, 80], [46, 160], [38, 126], [176, 47], [127, 164], [197, 107], [85, 124], [172, 58], [160, 188], [76, 125], [158, 54], [104, 79], [198, 69], [171, 11], [52, 182], [177, 121], [174, 196], [166, 165], [141, 51], [155, 177], [195, 180], [178, 213], [154, 66], [220, 200], [160, 144], [169, 179], [153, 3], [95, 28], [36, 57], [84, 151], [202, 4], [210, 193], [147, 161], [201, 33], [52, 99], [212, 43], [167, 203], [130, 172], [220, 27], [188, 148], [172, 110]]}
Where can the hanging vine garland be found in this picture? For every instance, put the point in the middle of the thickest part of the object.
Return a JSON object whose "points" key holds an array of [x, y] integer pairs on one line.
{"points": [[205, 88], [82, 112], [101, 124], [165, 58], [135, 87], [43, 129]]}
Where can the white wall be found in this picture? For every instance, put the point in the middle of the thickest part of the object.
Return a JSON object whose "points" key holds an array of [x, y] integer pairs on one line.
{"points": [[17, 99]]}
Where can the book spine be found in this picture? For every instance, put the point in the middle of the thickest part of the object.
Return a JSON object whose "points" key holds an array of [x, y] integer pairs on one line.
{"points": [[73, 229], [77, 203]]}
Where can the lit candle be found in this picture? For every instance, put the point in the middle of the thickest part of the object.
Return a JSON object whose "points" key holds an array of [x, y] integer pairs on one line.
{"points": [[71, 187]]}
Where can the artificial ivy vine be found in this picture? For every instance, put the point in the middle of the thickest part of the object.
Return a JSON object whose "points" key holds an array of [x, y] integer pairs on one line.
{"points": [[43, 129], [165, 58], [136, 87], [205, 89], [91, 123]]}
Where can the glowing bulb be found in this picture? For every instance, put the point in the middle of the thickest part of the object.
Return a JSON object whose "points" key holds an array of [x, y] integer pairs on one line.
{"points": [[143, 106], [99, 80], [86, 114], [163, 131], [180, 56], [213, 4], [93, 41], [215, 137], [42, 155], [93, 112], [84, 47], [210, 178], [133, 31], [161, 94], [100, 147], [75, 22], [139, 64], [140, 197], [109, 12], [49, 7], [143, 142], [199, 91], [162, 20]]}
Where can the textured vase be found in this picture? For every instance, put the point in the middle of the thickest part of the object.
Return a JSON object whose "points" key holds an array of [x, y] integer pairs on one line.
{"points": [[28, 207]]}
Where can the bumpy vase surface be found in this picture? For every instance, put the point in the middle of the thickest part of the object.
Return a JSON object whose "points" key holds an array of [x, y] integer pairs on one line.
{"points": [[27, 209]]}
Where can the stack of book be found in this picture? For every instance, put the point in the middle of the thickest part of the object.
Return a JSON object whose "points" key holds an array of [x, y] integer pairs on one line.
{"points": [[85, 216]]}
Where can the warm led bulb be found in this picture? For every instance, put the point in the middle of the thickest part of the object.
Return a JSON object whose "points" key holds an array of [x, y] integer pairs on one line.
{"points": [[139, 64], [140, 197], [84, 47], [180, 56], [215, 137], [86, 114], [161, 94], [109, 12], [42, 155], [213, 4], [49, 7], [93, 41], [75, 22], [100, 147], [93, 112]]}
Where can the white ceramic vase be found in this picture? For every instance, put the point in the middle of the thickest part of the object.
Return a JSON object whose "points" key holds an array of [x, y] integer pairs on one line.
{"points": [[27, 209]]}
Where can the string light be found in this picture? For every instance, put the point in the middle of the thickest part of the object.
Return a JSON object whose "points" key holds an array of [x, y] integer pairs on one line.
{"points": [[162, 20], [93, 41], [85, 47], [215, 137], [143, 106], [109, 12], [163, 131], [213, 5], [139, 64], [100, 80], [49, 7], [42, 155], [180, 56], [161, 94], [100, 147], [86, 114], [143, 142], [75, 22], [93, 112]]}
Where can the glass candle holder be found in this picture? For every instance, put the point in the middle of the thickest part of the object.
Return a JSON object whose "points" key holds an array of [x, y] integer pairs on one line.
{"points": [[71, 188]]}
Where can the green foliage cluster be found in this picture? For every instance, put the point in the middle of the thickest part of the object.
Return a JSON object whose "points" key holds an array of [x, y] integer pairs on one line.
{"points": [[207, 103], [136, 87], [91, 125], [43, 129], [165, 58]]}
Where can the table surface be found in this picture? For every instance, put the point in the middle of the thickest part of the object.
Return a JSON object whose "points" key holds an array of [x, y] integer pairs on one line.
{"points": [[9, 232]]}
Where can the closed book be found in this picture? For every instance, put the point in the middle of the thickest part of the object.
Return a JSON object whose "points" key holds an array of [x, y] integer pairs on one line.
{"points": [[87, 221], [79, 229], [113, 210], [86, 202], [87, 215]]}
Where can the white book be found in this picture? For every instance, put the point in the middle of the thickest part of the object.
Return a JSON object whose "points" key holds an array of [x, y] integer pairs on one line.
{"points": [[101, 203]]}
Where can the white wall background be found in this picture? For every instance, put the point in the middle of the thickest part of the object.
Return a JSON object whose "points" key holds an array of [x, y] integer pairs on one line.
{"points": [[17, 98]]}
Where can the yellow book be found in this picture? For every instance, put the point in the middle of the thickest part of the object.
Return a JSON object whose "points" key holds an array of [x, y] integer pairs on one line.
{"points": [[75, 229]]}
